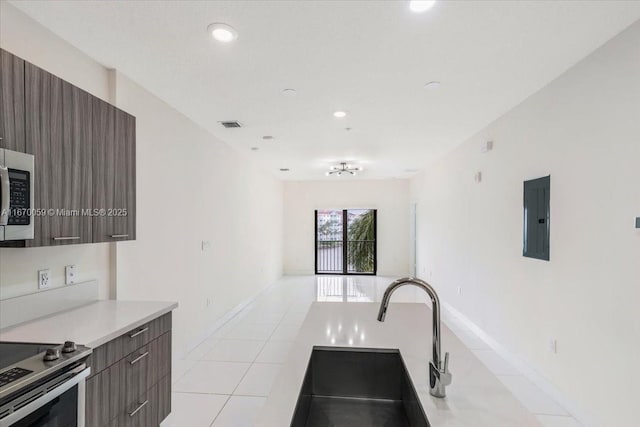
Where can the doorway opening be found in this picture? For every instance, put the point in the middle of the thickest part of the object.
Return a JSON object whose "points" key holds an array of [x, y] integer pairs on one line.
{"points": [[346, 241]]}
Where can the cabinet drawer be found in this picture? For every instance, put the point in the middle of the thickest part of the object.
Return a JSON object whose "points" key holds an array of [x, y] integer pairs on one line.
{"points": [[159, 358], [149, 409], [129, 380], [111, 352], [139, 372]]}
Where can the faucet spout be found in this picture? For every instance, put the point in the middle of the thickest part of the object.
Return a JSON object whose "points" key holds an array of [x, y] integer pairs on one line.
{"points": [[439, 373]]}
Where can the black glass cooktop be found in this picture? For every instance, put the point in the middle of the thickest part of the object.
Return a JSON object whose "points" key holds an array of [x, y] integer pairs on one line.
{"points": [[14, 352]]}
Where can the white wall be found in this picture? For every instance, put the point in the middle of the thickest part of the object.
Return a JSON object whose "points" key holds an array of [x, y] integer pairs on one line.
{"points": [[389, 197], [584, 130], [193, 188], [190, 187]]}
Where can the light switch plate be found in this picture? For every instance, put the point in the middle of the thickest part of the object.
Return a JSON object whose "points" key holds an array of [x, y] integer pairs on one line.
{"points": [[70, 274], [44, 279]]}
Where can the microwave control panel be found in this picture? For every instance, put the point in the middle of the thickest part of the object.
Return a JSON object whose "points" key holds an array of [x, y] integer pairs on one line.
{"points": [[19, 197]]}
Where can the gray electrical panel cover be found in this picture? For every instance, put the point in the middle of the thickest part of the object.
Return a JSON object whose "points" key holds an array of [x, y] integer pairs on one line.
{"points": [[536, 218]]}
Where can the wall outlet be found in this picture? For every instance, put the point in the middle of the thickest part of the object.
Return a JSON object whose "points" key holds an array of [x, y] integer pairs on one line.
{"points": [[44, 279], [459, 290], [553, 345], [206, 245], [70, 274], [208, 302]]}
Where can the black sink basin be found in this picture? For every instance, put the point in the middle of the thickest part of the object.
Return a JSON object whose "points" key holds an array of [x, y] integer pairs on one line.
{"points": [[357, 388]]}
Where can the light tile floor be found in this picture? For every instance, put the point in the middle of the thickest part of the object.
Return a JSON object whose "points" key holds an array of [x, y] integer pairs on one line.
{"points": [[226, 379]]}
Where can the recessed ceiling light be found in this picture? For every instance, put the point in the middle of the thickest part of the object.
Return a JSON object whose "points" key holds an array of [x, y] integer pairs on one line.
{"points": [[267, 137], [340, 114], [289, 92], [419, 6], [284, 169], [432, 85], [222, 32], [254, 148]]}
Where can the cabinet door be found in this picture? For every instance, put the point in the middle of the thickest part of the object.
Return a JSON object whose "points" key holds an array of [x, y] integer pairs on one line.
{"points": [[59, 129], [124, 215], [113, 173], [97, 400], [12, 121]]}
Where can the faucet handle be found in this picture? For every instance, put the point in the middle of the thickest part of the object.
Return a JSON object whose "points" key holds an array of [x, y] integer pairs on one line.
{"points": [[445, 375]]}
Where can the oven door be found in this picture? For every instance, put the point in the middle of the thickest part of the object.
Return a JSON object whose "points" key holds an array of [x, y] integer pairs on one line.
{"points": [[16, 195], [59, 402]]}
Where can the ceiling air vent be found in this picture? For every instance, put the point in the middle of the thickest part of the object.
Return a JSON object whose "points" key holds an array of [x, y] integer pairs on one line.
{"points": [[231, 124]]}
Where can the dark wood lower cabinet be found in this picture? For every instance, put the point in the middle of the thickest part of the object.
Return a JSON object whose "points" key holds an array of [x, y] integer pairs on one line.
{"points": [[98, 392], [152, 407], [134, 390]]}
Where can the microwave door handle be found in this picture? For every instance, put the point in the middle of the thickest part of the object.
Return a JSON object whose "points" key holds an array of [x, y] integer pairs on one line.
{"points": [[4, 195]]}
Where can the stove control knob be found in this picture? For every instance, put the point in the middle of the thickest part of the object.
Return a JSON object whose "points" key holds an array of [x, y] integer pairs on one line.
{"points": [[51, 354], [69, 347]]}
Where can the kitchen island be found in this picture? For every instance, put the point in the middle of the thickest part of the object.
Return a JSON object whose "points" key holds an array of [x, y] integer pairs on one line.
{"points": [[476, 398]]}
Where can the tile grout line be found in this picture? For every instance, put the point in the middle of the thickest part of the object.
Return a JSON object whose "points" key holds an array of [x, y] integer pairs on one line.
{"points": [[260, 351], [220, 411], [244, 375]]}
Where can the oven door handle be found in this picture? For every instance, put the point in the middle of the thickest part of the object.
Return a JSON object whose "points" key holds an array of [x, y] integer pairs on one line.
{"points": [[77, 380], [5, 188]]}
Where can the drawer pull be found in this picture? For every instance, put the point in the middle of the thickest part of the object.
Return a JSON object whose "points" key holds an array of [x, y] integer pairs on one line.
{"points": [[57, 239], [141, 331], [139, 358], [140, 406], [119, 236]]}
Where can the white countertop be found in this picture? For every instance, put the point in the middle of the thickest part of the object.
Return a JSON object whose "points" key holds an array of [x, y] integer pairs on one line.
{"points": [[476, 398], [92, 325]]}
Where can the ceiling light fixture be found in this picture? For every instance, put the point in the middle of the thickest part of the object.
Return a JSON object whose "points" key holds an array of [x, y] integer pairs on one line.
{"points": [[421, 6], [289, 92], [432, 85], [343, 168], [222, 32], [267, 137], [340, 114], [284, 169], [255, 148]]}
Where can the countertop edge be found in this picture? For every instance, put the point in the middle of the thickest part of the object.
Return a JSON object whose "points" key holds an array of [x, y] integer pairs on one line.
{"points": [[115, 334], [114, 318]]}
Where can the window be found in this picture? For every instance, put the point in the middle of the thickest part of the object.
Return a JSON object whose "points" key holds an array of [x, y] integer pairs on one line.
{"points": [[346, 241]]}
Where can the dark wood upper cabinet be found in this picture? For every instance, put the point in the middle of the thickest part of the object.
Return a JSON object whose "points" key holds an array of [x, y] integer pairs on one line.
{"points": [[124, 201], [59, 127], [113, 172], [12, 121], [84, 150]]}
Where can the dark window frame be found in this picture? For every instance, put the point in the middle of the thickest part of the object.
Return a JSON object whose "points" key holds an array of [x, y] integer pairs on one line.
{"points": [[345, 243]]}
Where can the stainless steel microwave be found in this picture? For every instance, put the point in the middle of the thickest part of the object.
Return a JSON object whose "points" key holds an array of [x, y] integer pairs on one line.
{"points": [[16, 195]]}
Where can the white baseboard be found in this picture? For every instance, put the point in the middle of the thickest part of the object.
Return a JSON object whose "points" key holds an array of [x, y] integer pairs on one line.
{"points": [[221, 321], [525, 368]]}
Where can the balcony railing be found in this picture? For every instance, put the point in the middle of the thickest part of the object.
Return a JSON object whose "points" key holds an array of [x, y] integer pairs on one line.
{"points": [[331, 256]]}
